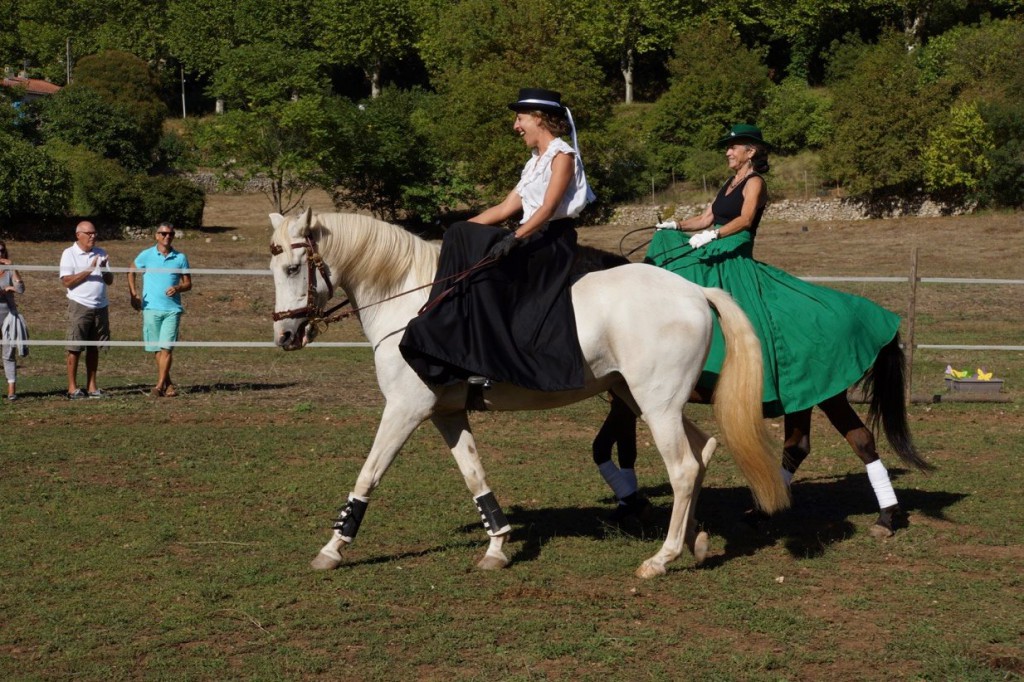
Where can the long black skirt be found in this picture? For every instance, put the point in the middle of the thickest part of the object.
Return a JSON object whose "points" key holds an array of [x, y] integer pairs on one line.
{"points": [[510, 322]]}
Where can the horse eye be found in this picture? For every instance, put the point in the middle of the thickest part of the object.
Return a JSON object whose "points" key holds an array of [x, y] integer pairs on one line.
{"points": [[291, 270]]}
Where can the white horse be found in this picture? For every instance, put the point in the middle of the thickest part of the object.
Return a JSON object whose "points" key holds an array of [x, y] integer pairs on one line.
{"points": [[644, 333]]}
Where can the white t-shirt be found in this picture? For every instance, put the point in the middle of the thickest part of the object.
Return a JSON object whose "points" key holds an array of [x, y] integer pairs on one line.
{"points": [[92, 293], [536, 177]]}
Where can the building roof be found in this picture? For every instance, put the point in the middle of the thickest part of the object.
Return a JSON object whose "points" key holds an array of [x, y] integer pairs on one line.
{"points": [[32, 86]]}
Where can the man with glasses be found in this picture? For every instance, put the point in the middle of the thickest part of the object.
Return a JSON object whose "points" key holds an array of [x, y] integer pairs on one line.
{"points": [[162, 285], [85, 271]]}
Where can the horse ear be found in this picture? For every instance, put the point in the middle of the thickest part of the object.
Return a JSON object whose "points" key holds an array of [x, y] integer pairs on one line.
{"points": [[276, 219], [302, 225], [306, 220]]}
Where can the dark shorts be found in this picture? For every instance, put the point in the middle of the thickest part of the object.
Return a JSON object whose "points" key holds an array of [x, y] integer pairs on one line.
{"points": [[86, 324]]}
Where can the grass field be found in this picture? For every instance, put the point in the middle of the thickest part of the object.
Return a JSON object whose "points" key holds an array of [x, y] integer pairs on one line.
{"points": [[169, 538]]}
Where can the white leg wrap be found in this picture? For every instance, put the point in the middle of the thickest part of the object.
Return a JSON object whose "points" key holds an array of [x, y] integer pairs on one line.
{"points": [[629, 476], [787, 476], [881, 484], [615, 479]]}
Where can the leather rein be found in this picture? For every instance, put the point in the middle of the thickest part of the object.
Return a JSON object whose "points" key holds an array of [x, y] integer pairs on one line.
{"points": [[320, 318]]}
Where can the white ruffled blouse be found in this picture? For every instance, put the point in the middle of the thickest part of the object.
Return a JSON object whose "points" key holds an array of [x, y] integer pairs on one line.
{"points": [[536, 177]]}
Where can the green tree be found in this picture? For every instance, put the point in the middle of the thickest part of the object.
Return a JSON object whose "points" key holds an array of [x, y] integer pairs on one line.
{"points": [[249, 50], [285, 145], [45, 27], [79, 115], [31, 182], [1004, 183], [882, 114], [620, 32], [979, 62], [956, 156], [261, 74], [130, 86], [716, 82], [480, 53], [796, 116], [386, 164], [369, 34]]}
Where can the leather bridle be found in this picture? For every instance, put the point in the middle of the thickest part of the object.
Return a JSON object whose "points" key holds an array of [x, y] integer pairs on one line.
{"points": [[320, 318], [313, 311]]}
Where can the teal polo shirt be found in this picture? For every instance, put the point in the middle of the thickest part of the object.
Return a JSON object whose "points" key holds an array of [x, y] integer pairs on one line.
{"points": [[154, 284]]}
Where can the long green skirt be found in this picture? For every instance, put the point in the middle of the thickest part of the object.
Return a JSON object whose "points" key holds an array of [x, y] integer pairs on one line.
{"points": [[816, 341]]}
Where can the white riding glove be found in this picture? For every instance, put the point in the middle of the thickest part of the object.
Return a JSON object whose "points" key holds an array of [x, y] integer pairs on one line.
{"points": [[667, 225], [701, 238]]}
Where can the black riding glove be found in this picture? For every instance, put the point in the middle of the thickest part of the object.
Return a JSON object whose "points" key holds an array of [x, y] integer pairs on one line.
{"points": [[504, 247]]}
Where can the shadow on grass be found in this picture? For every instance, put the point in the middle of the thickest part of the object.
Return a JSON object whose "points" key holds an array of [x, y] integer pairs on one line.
{"points": [[144, 389], [819, 518]]}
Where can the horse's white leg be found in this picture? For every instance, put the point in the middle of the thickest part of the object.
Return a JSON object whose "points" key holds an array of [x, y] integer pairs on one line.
{"points": [[396, 425], [684, 472], [705, 445], [457, 434]]}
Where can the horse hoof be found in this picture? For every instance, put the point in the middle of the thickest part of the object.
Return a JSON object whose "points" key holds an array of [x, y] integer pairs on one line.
{"points": [[649, 569], [880, 532], [700, 548], [325, 562], [492, 563]]}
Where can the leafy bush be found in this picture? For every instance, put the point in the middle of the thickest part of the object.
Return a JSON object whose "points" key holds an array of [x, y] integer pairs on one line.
{"points": [[796, 116], [1004, 183], [286, 145], [168, 198], [716, 83], [955, 159], [978, 62], [477, 73], [31, 182], [384, 162], [79, 115], [616, 156], [882, 114], [132, 88], [102, 189]]}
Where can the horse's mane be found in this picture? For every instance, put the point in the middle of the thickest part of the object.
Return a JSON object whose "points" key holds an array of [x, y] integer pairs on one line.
{"points": [[369, 250]]}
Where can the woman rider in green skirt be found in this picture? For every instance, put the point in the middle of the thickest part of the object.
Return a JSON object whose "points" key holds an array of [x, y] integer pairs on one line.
{"points": [[816, 341]]}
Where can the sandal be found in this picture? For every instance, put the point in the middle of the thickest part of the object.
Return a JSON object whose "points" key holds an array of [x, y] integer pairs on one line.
{"points": [[170, 391]]}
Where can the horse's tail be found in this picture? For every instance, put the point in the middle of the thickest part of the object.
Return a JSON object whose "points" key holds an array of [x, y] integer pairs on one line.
{"points": [[885, 389], [737, 405]]}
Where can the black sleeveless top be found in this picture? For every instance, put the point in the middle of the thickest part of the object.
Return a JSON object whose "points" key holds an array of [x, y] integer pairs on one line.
{"points": [[727, 207]]}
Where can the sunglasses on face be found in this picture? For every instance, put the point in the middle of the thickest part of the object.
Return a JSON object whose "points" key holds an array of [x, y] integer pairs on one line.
{"points": [[165, 234]]}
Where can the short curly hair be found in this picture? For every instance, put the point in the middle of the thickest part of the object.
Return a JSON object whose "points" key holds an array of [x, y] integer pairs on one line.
{"points": [[556, 124]]}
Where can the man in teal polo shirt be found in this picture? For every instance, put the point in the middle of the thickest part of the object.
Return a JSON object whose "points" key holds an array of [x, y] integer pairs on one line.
{"points": [[162, 284]]}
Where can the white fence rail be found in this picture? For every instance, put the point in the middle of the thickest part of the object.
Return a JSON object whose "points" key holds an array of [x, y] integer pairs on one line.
{"points": [[362, 344]]}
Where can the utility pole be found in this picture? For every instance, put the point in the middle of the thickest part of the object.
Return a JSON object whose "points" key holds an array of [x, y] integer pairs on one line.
{"points": [[182, 91], [67, 61]]}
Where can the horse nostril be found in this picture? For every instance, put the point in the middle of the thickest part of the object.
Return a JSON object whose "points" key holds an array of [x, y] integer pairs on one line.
{"points": [[284, 339]]}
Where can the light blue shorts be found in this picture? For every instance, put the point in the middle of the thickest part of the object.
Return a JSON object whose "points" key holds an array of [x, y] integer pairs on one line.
{"points": [[160, 329]]}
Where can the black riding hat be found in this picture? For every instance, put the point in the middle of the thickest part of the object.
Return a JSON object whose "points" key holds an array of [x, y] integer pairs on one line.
{"points": [[539, 99]]}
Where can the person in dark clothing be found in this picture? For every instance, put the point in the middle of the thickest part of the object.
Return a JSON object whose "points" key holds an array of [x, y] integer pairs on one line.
{"points": [[511, 319]]}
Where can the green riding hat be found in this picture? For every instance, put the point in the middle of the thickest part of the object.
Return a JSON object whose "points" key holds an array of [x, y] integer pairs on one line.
{"points": [[743, 131]]}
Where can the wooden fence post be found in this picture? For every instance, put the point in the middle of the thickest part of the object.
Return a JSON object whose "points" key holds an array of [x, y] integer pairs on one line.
{"points": [[911, 319]]}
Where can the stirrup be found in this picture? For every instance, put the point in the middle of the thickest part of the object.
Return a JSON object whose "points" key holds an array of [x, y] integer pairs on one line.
{"points": [[479, 381]]}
